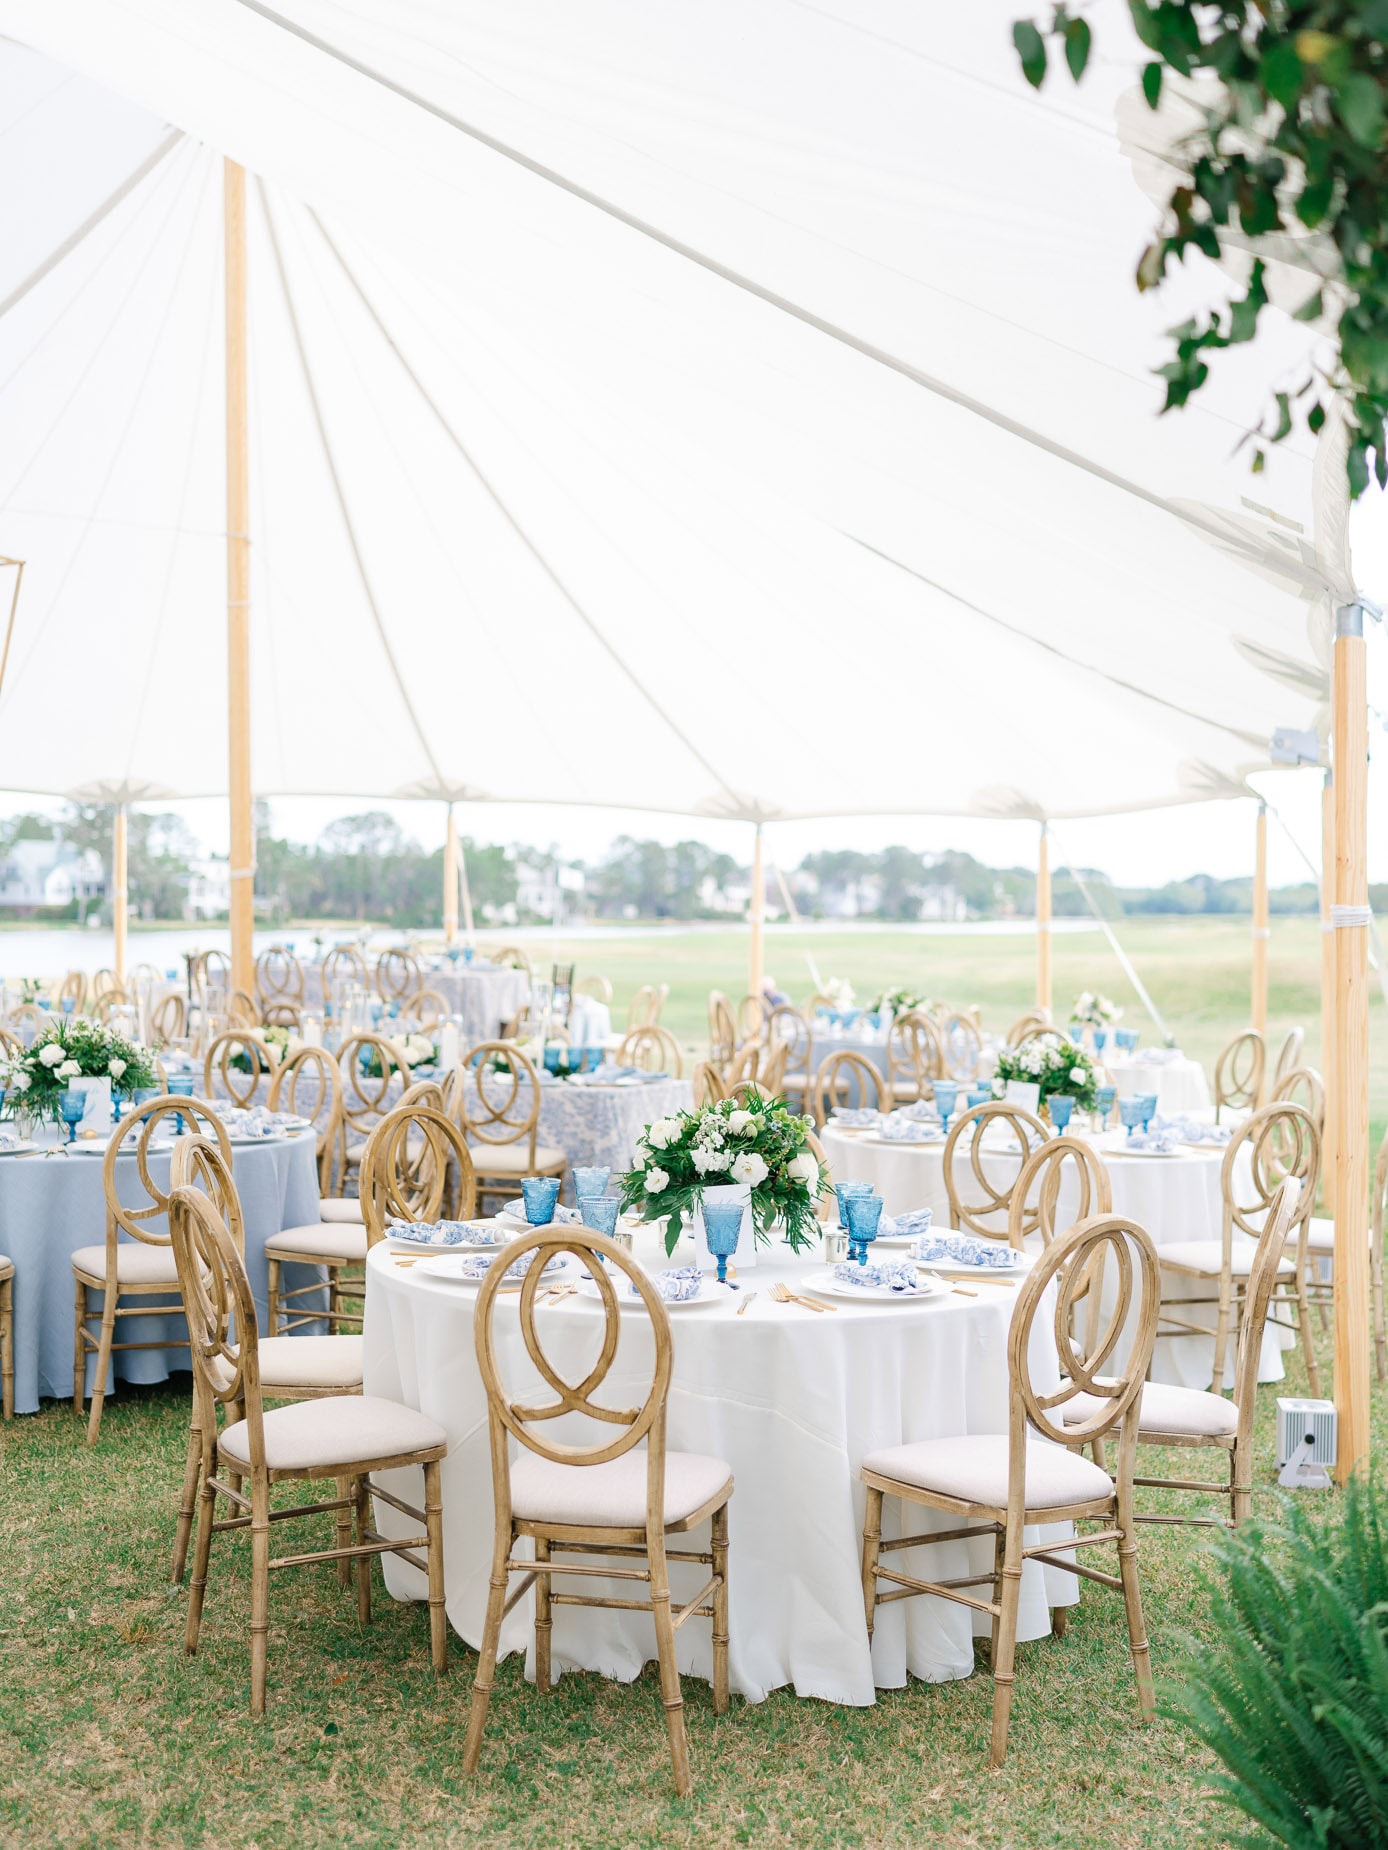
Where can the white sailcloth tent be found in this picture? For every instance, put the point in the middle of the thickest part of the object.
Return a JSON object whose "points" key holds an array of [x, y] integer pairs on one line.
{"points": [[741, 411]]}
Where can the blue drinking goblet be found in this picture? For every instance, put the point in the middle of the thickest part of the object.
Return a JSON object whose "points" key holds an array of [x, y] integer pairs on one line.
{"points": [[1060, 1105], [845, 1191], [552, 1059], [1076, 1032], [722, 1230], [540, 1194], [946, 1098], [600, 1212], [1100, 1040], [468, 953], [1130, 1114], [180, 1086], [72, 1105], [589, 1179], [864, 1216], [1103, 1103], [979, 1095], [1148, 1101], [68, 1004]]}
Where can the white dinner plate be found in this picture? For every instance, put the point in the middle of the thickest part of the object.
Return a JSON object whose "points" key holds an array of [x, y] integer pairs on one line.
{"points": [[245, 1143], [710, 1292], [827, 1286], [960, 1268], [903, 1143], [17, 1149], [449, 1265]]}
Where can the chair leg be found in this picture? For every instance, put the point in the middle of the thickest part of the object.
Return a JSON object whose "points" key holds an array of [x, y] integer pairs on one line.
{"points": [[1060, 1619], [272, 1295], [872, 1546], [999, 1563], [361, 1492], [433, 1528], [7, 1348], [103, 1365], [1005, 1632], [344, 1532], [486, 1657], [1240, 1485], [1222, 1322], [260, 1590], [202, 1548], [669, 1668], [1132, 1601], [544, 1622], [79, 1349], [188, 1501], [719, 1551]]}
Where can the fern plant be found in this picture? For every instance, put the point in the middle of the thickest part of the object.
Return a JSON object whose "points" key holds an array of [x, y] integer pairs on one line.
{"points": [[1292, 1694]]}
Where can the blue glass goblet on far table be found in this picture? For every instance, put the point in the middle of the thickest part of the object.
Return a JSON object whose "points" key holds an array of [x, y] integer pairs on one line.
{"points": [[72, 1105], [540, 1194], [1148, 1101], [1103, 1104], [1060, 1105], [1130, 1111], [864, 1217], [180, 1086], [946, 1098], [722, 1230]]}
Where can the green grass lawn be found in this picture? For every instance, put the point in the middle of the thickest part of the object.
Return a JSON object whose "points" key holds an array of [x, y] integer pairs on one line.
{"points": [[110, 1737]]}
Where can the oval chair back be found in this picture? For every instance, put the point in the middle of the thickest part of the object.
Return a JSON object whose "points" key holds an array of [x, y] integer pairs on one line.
{"points": [[1288, 1058], [1303, 1085], [397, 975], [654, 1050], [198, 1163], [708, 1084], [279, 977], [1004, 1135], [915, 1055], [369, 1067], [962, 1044], [309, 1085], [839, 1072], [139, 1129], [169, 1020], [416, 1167], [722, 1029], [1239, 1072], [500, 1107]]}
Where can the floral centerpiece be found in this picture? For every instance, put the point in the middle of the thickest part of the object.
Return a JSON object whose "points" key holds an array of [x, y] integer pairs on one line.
{"points": [[839, 992], [412, 1050], [71, 1047], [899, 1001], [1095, 1011], [1055, 1064], [760, 1143], [273, 1046]]}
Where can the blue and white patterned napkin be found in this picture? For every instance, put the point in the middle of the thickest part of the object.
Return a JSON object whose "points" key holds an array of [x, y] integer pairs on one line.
{"points": [[963, 1249], [902, 1278], [676, 1285]]}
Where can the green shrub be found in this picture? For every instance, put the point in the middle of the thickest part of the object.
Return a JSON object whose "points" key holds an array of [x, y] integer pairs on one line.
{"points": [[1292, 1691]]}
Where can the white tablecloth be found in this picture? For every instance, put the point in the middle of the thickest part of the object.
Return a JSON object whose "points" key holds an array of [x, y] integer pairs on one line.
{"points": [[793, 1400], [1180, 1084], [51, 1205], [1172, 1197]]}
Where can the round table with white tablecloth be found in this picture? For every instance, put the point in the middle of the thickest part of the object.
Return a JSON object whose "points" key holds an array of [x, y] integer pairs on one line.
{"points": [[599, 1123], [793, 1400], [1175, 1197], [52, 1204], [1180, 1084]]}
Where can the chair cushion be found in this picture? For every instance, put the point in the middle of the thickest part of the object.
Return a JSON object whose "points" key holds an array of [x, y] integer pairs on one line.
{"points": [[1166, 1409], [136, 1263], [343, 1431], [304, 1362], [974, 1469], [6, 1267], [1320, 1237], [513, 1159], [613, 1495], [335, 1209], [323, 1240], [1205, 1256]]}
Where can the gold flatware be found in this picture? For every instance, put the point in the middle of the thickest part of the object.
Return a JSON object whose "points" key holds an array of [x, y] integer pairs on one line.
{"points": [[964, 1292], [784, 1295], [745, 1302]]}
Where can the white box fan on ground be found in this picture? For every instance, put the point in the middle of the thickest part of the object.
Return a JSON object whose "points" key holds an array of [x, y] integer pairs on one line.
{"points": [[1306, 1440]]}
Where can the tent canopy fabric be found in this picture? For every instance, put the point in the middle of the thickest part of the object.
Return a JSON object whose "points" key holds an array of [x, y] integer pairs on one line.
{"points": [[742, 410]]}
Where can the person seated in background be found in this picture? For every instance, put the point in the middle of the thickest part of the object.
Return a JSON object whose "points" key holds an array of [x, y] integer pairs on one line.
{"points": [[775, 997]]}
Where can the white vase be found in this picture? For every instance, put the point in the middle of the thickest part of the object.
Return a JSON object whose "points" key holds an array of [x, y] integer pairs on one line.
{"points": [[746, 1254]]}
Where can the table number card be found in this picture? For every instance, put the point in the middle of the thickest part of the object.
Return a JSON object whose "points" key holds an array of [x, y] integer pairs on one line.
{"points": [[1023, 1092]]}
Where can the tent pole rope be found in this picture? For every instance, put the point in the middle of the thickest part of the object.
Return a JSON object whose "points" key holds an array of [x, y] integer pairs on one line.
{"points": [[1124, 960]]}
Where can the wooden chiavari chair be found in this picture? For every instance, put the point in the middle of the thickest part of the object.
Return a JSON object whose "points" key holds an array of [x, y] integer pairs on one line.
{"points": [[654, 1050], [73, 987], [279, 978], [238, 1083], [606, 1498], [102, 980], [643, 1011], [344, 963], [1006, 1482], [309, 1085], [745, 1064], [962, 1043], [708, 1084], [1239, 1073], [1279, 1141], [366, 1095], [773, 1058], [282, 1015], [26, 1015], [788, 1055], [722, 1029], [512, 957], [915, 1057], [1302, 1085], [141, 1268], [397, 975], [336, 1437], [422, 1012], [1026, 1025], [598, 987], [1034, 1207], [291, 1368], [500, 1116], [169, 1022], [750, 1018], [1288, 1058], [417, 1167], [842, 1076], [1004, 1135], [1187, 1418], [213, 969], [111, 998], [241, 1011]]}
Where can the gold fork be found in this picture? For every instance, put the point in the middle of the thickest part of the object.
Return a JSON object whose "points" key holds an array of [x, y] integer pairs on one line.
{"points": [[784, 1295]]}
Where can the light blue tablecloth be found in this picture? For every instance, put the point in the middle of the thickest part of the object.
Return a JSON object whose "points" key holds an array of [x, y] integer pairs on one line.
{"points": [[51, 1205]]}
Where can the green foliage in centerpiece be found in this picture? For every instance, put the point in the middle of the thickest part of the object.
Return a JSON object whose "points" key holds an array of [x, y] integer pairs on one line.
{"points": [[899, 1001], [1054, 1063], [272, 1047], [760, 1143], [71, 1047]]}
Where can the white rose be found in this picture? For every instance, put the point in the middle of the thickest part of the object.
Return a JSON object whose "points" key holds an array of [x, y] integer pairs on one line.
{"points": [[749, 1168], [20, 1082], [115, 1068], [1078, 1076], [273, 1055], [70, 1069], [52, 1054], [656, 1181], [706, 1161], [663, 1133], [740, 1122], [804, 1169]]}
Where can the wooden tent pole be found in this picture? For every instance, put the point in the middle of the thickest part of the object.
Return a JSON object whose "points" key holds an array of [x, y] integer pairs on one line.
{"points": [[1259, 1012], [466, 891], [1043, 922], [450, 880], [120, 888], [238, 587], [1350, 922], [757, 916], [1328, 991]]}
